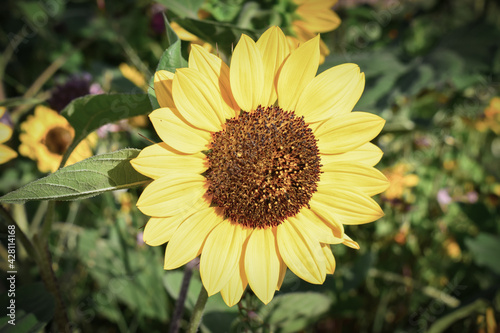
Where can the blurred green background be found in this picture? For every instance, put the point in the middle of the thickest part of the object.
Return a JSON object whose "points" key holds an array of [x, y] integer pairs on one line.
{"points": [[430, 265]]}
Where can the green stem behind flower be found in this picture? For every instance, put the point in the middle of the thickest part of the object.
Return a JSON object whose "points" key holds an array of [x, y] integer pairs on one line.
{"points": [[198, 311]]}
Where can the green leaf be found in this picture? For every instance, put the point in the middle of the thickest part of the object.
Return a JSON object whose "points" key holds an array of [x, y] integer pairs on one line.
{"points": [[88, 113], [125, 273], [34, 308], [223, 10], [485, 249], [170, 60], [295, 312], [183, 8], [88, 178]]}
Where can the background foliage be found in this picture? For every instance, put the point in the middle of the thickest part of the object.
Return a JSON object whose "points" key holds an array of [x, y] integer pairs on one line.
{"points": [[431, 264]]}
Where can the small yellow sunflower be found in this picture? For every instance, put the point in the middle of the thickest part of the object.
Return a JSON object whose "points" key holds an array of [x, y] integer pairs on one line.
{"points": [[46, 136], [313, 17], [261, 165], [6, 153]]}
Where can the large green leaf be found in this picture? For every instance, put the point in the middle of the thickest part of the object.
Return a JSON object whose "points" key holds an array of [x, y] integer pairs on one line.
{"points": [[170, 60], [34, 308], [88, 113], [485, 249], [88, 178], [294, 312]]}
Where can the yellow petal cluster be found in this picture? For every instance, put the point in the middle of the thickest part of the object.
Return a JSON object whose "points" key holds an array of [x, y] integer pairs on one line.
{"points": [[196, 102]]}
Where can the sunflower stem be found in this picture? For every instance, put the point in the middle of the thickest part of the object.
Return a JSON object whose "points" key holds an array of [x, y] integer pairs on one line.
{"points": [[179, 305], [198, 310]]}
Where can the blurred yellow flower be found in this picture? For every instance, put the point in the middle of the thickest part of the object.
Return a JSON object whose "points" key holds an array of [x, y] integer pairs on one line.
{"points": [[491, 118], [6, 153], [137, 78], [313, 17], [262, 164], [45, 137], [399, 181], [133, 75], [183, 34]]}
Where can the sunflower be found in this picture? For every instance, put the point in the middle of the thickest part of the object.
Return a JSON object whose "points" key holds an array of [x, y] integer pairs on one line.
{"points": [[261, 165], [46, 136], [313, 17], [6, 153]]}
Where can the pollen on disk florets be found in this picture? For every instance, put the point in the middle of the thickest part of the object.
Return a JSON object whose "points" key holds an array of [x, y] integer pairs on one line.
{"points": [[264, 166]]}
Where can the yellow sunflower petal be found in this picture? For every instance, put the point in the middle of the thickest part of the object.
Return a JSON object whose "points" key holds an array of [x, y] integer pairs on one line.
{"points": [[167, 196], [159, 230], [341, 134], [247, 74], [300, 253], [349, 242], [316, 227], [365, 178], [231, 293], [159, 160], [262, 264], [333, 92], [5, 132], [329, 258], [214, 68], [274, 48], [318, 18], [187, 241], [6, 154], [350, 205], [177, 133], [163, 88], [297, 71], [368, 154], [221, 255], [328, 216], [282, 273], [198, 99]]}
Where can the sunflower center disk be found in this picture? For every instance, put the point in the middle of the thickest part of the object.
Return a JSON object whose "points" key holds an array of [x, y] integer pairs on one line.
{"points": [[263, 167], [58, 140]]}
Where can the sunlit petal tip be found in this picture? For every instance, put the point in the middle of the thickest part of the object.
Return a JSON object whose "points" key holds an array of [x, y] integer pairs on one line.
{"points": [[159, 230], [274, 49], [197, 99], [225, 241], [297, 72], [348, 132], [329, 258], [189, 237], [176, 133], [247, 74], [262, 263], [163, 88], [301, 253]]}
